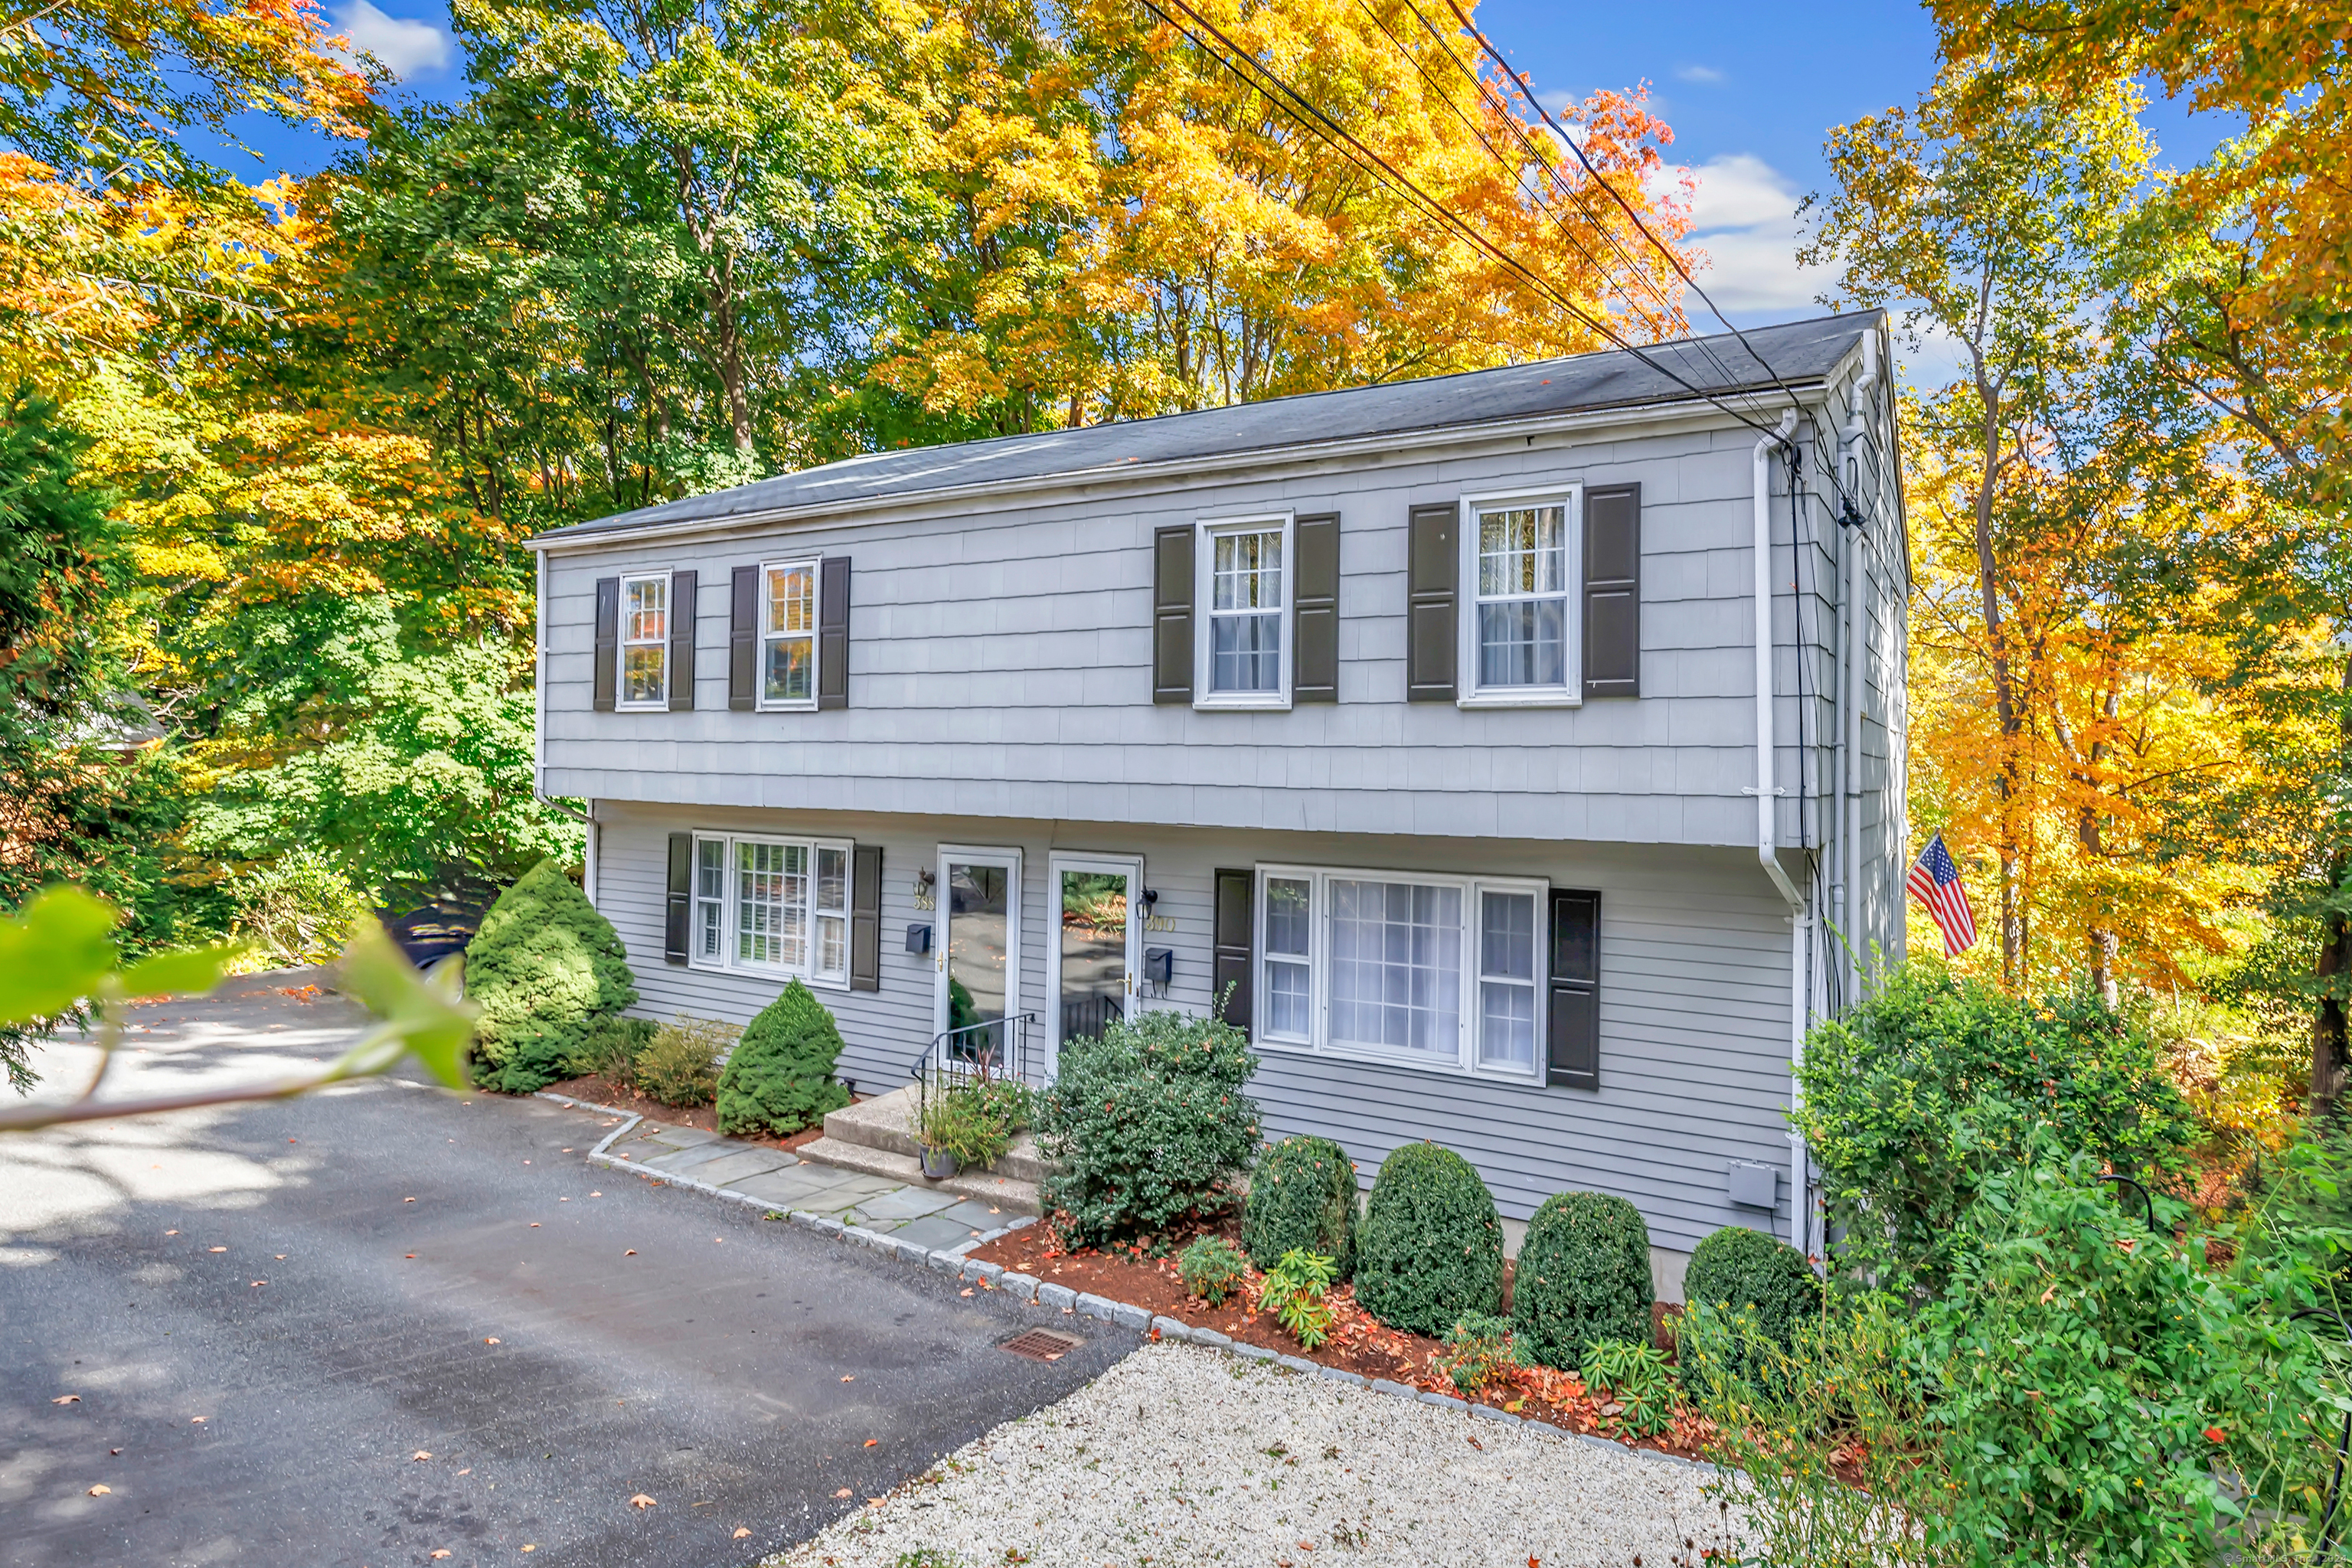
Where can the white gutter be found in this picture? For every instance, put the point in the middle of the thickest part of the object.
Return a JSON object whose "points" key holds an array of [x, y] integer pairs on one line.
{"points": [[1768, 829], [1857, 596], [896, 505]]}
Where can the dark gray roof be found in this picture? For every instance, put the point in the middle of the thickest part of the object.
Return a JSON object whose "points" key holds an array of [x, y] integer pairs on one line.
{"points": [[1797, 352]]}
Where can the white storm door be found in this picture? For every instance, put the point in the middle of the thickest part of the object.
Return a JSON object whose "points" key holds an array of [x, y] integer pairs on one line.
{"points": [[1096, 904]]}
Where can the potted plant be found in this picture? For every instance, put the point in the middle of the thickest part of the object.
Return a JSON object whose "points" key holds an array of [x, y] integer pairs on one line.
{"points": [[969, 1123]]}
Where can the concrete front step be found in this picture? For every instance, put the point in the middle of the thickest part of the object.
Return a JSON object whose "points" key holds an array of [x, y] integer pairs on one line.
{"points": [[1010, 1194], [886, 1124]]}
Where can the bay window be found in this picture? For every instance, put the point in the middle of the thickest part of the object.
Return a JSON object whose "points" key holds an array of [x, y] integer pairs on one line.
{"points": [[778, 905], [1434, 972]]}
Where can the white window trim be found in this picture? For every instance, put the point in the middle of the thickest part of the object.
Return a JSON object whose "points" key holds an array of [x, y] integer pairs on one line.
{"points": [[727, 963], [656, 704], [1204, 573], [1465, 1060], [1571, 693], [815, 566]]}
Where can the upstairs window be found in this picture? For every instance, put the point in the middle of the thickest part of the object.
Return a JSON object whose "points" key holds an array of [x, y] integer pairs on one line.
{"points": [[645, 641], [1520, 624], [773, 904], [1244, 656], [788, 635]]}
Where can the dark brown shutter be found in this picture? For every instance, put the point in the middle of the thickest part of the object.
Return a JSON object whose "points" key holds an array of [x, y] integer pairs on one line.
{"points": [[1612, 590], [682, 601], [1315, 662], [607, 688], [832, 632], [679, 919], [1433, 638], [1171, 615], [743, 641], [1575, 1042], [866, 917], [1236, 898]]}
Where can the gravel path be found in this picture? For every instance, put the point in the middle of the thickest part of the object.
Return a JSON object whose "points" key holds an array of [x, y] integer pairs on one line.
{"points": [[1179, 1454]]}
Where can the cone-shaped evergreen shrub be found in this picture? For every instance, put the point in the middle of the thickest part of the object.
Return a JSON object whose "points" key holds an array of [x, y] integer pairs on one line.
{"points": [[1431, 1247], [1583, 1275], [1745, 1271], [1303, 1195], [780, 1078], [545, 968]]}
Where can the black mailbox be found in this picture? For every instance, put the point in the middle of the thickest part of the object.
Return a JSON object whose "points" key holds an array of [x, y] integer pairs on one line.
{"points": [[918, 938], [1159, 965]]}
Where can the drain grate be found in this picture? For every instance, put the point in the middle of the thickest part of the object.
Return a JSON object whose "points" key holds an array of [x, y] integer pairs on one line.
{"points": [[1041, 1344]]}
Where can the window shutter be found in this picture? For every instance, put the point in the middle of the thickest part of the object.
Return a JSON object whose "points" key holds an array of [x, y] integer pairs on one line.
{"points": [[678, 915], [866, 917], [1575, 1043], [682, 604], [1432, 573], [1237, 896], [1315, 662], [743, 641], [833, 632], [1171, 615], [607, 688], [1612, 590]]}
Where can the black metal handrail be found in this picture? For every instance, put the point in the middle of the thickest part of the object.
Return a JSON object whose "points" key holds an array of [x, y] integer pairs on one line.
{"points": [[994, 1048]]}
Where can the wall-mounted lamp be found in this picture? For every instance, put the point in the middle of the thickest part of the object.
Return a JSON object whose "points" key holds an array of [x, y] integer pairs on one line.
{"points": [[1150, 897], [924, 881]]}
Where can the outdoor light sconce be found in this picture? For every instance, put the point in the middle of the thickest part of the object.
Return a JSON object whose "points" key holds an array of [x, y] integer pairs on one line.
{"points": [[924, 881], [919, 937], [1150, 897]]}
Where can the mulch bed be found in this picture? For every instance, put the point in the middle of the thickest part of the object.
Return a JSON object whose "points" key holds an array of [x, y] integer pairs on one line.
{"points": [[628, 1097], [1359, 1343]]}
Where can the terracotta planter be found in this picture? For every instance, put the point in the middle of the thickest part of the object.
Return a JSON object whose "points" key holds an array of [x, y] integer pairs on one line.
{"points": [[938, 1165]]}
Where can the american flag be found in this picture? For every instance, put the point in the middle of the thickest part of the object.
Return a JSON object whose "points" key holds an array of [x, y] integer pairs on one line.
{"points": [[1935, 881]]}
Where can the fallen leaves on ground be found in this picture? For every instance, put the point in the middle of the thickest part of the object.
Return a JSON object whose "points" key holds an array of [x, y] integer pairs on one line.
{"points": [[843, 1492], [74, 1399], [870, 1442], [215, 1249], [489, 1342], [99, 1491], [641, 1501], [741, 1530], [631, 1253], [439, 1552]]}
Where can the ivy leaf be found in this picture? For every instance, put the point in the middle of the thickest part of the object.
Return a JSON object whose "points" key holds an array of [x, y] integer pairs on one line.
{"points": [[191, 972], [430, 1023], [56, 952]]}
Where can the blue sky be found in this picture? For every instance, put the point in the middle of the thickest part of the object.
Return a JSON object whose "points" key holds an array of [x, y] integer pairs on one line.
{"points": [[1750, 91]]}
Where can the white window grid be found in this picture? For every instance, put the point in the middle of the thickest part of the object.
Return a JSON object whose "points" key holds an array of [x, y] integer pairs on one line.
{"points": [[645, 641], [1539, 588], [1497, 988], [1244, 585], [788, 651], [766, 905]]}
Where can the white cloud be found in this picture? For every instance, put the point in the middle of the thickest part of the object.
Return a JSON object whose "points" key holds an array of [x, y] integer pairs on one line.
{"points": [[402, 46], [1706, 76], [1743, 218]]}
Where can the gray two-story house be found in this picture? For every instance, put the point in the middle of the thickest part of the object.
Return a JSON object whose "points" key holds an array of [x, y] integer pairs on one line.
{"points": [[1517, 754]]}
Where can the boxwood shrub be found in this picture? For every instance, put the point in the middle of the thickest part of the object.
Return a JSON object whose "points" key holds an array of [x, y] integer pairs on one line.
{"points": [[1583, 1276], [1741, 1269], [1150, 1127], [544, 967], [1303, 1195], [779, 1078], [1431, 1247]]}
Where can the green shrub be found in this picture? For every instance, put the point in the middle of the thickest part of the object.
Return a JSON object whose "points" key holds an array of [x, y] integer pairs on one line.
{"points": [[298, 909], [1583, 1275], [1479, 1350], [680, 1066], [1431, 1247], [975, 1120], [543, 968], [1150, 1126], [1637, 1381], [780, 1078], [1934, 1084], [1303, 1194], [1293, 1293], [1737, 1269], [611, 1049], [1212, 1268]]}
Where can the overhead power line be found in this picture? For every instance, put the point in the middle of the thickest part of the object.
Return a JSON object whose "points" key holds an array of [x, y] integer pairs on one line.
{"points": [[1267, 82]]}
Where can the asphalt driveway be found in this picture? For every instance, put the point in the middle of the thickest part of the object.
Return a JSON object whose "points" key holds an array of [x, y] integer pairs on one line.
{"points": [[250, 1326]]}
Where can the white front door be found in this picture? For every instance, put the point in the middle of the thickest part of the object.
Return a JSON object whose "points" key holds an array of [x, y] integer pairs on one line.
{"points": [[979, 952], [1097, 911]]}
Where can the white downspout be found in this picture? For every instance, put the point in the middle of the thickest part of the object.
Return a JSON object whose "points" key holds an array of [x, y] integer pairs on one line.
{"points": [[1768, 828], [1857, 591]]}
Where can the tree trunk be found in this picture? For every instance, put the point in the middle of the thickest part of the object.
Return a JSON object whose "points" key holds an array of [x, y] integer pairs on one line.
{"points": [[2330, 1063], [2012, 914]]}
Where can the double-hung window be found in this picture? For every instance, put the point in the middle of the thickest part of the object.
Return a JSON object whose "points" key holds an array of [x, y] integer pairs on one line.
{"points": [[788, 642], [776, 905], [1520, 636], [1424, 972], [1244, 656], [645, 641], [1436, 972]]}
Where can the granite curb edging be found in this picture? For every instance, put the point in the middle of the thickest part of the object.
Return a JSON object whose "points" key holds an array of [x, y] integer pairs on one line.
{"points": [[1118, 1315]]}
